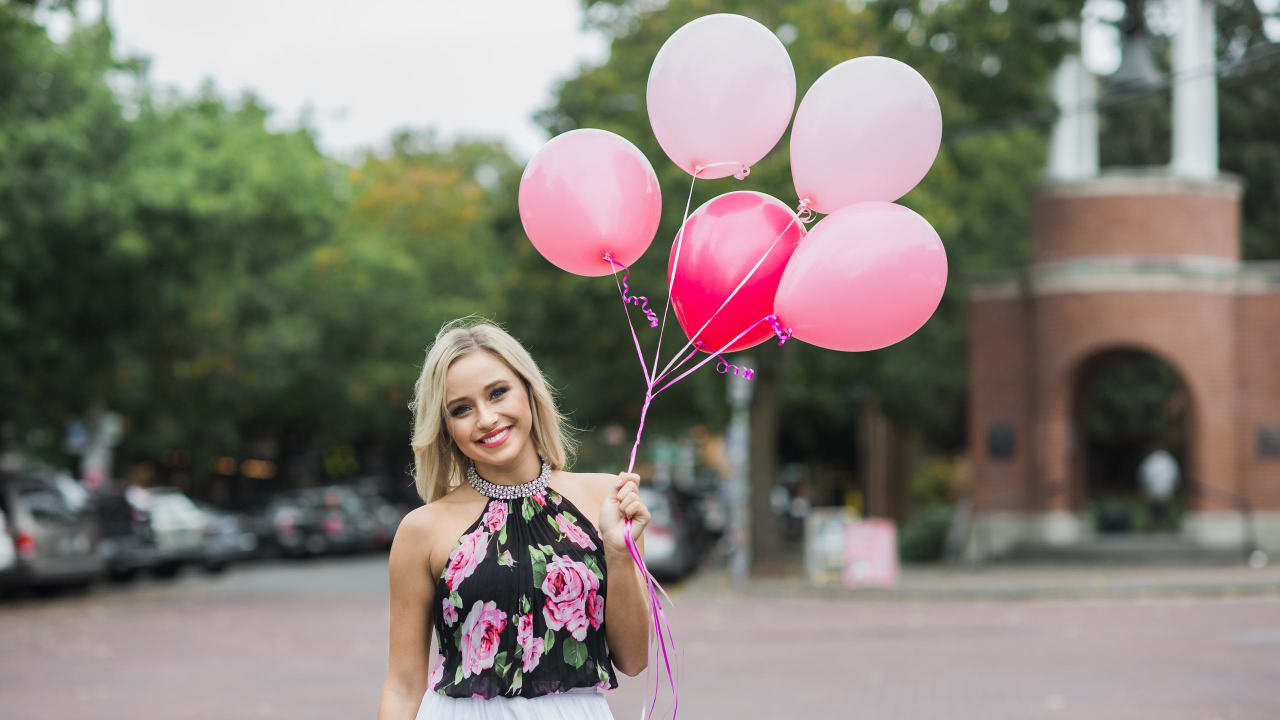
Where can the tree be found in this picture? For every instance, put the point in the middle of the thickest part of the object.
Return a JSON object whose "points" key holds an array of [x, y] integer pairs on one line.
{"points": [[63, 220]]}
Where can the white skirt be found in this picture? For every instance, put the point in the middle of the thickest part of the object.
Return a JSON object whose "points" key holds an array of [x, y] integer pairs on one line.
{"points": [[586, 703]]}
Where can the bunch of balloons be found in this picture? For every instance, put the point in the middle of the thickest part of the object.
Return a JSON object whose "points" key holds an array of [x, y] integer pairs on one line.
{"points": [[742, 267], [719, 96]]}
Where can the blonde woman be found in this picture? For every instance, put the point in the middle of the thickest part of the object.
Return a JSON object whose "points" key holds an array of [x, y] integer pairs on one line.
{"points": [[510, 560]]}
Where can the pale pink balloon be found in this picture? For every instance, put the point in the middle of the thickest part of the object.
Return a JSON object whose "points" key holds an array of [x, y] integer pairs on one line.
{"points": [[722, 241], [866, 276], [868, 129], [586, 193], [721, 90]]}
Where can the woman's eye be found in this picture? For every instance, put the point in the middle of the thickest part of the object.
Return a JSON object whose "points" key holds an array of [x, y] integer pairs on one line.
{"points": [[497, 393], [458, 410]]}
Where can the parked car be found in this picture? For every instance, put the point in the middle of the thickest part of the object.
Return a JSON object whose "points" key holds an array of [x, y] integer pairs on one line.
{"points": [[179, 529], [228, 537], [670, 547], [320, 521], [54, 535], [127, 544]]}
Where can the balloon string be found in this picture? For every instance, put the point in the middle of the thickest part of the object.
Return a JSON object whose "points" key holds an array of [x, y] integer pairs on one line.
{"points": [[804, 212], [634, 338], [783, 334], [741, 174], [675, 266], [668, 370], [639, 301], [660, 626], [710, 357], [724, 366]]}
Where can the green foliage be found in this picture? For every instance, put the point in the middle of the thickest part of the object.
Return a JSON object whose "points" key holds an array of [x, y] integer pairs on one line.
{"points": [[64, 294], [923, 537]]}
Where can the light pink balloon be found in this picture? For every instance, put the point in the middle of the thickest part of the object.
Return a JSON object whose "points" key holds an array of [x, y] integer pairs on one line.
{"points": [[721, 90], [866, 276], [587, 192], [868, 129]]}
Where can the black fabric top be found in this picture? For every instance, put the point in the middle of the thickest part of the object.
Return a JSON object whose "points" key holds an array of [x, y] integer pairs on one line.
{"points": [[521, 603]]}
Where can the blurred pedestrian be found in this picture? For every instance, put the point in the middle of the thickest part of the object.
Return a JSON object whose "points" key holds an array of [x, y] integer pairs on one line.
{"points": [[509, 557], [1158, 475]]}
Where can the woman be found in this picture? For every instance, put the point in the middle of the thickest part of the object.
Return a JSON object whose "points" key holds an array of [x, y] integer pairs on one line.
{"points": [[511, 558]]}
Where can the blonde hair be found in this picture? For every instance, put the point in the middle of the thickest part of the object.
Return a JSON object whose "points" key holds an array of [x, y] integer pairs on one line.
{"points": [[439, 465]]}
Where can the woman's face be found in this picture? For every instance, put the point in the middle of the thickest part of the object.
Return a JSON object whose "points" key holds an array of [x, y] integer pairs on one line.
{"points": [[487, 409]]}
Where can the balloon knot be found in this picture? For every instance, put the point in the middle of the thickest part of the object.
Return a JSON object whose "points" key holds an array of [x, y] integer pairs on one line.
{"points": [[804, 213], [783, 334]]}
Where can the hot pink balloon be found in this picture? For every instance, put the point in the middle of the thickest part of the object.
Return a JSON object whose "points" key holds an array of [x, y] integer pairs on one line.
{"points": [[867, 276], [587, 192], [721, 90], [722, 241], [868, 129]]}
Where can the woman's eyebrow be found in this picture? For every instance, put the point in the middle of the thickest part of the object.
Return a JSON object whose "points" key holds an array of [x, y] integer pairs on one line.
{"points": [[486, 387]]}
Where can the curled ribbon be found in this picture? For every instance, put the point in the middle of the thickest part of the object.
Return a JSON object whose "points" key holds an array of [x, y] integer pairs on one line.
{"points": [[724, 366], [639, 301], [783, 334]]}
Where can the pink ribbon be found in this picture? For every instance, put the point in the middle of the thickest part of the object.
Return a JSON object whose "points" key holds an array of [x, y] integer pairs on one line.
{"points": [[660, 626]]}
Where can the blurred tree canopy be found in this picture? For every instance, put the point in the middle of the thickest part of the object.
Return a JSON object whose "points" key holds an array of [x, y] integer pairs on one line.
{"points": [[234, 292]]}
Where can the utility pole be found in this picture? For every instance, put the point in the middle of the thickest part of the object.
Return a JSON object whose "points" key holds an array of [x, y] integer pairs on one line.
{"points": [[739, 451]]}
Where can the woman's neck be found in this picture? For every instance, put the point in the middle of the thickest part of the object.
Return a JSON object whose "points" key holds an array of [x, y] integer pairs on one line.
{"points": [[518, 472]]}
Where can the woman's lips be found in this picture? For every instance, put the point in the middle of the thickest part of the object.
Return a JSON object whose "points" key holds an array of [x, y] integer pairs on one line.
{"points": [[495, 438]]}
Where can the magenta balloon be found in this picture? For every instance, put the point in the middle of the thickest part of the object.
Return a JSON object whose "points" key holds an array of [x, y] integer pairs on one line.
{"points": [[868, 129], [721, 90], [722, 241], [587, 192], [867, 276]]}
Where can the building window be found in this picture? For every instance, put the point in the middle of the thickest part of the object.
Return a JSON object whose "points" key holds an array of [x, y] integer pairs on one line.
{"points": [[1269, 442], [1000, 441]]}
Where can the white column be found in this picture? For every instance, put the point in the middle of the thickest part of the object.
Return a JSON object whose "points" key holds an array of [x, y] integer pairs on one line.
{"points": [[1195, 92], [1073, 149]]}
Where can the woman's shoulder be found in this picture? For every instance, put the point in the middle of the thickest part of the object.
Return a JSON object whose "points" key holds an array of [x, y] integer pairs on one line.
{"points": [[596, 485]]}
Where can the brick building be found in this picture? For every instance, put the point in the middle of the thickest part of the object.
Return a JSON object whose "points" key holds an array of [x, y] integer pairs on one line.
{"points": [[1136, 260]]}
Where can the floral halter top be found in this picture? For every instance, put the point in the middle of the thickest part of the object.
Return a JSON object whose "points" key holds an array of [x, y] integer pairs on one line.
{"points": [[521, 608]]}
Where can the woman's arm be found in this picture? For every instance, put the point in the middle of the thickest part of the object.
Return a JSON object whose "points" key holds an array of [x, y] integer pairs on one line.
{"points": [[412, 608]]}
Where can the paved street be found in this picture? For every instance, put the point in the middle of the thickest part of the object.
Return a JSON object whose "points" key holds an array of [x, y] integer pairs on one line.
{"points": [[308, 641]]}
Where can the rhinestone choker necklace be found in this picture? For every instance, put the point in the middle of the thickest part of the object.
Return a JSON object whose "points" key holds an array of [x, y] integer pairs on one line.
{"points": [[507, 492]]}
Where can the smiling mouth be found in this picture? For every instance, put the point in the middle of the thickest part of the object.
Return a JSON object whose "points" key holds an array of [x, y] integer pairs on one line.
{"points": [[496, 437]]}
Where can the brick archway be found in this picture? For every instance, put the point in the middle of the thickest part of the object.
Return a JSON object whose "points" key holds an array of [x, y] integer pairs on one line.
{"points": [[1097, 460], [1141, 261]]}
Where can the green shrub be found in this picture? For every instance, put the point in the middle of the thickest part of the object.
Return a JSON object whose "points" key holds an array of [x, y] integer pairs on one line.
{"points": [[923, 537]]}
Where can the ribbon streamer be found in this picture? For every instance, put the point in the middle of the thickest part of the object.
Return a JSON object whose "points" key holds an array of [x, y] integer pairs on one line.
{"points": [[660, 626], [639, 301]]}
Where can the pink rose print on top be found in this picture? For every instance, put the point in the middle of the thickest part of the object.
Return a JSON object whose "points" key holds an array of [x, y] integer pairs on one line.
{"points": [[595, 609], [505, 559], [540, 499], [567, 585], [464, 558], [496, 517], [449, 613], [438, 673], [532, 647], [480, 633], [576, 535]]}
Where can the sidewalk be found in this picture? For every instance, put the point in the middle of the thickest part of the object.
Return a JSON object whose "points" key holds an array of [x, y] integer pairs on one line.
{"points": [[943, 583]]}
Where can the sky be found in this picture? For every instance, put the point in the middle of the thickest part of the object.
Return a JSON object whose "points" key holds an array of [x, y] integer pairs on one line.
{"points": [[361, 70]]}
